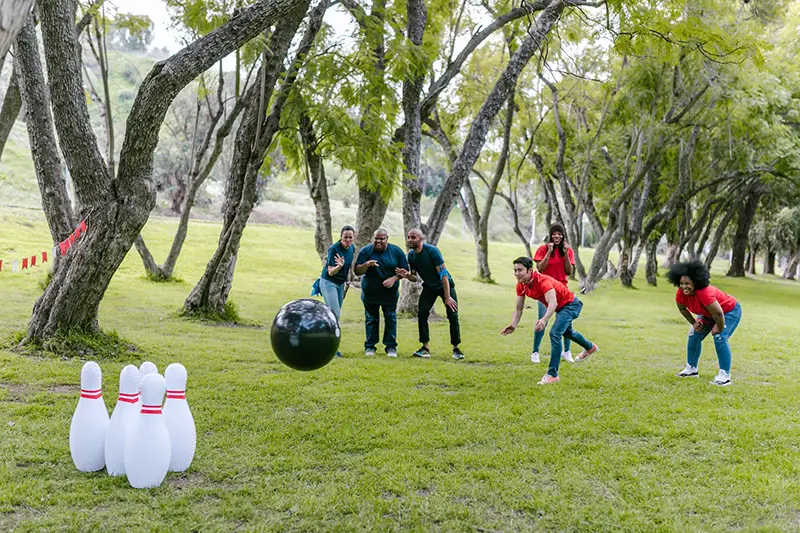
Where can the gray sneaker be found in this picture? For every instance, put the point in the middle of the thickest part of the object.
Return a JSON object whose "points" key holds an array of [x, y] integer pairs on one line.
{"points": [[391, 352], [688, 372], [723, 379], [369, 352]]}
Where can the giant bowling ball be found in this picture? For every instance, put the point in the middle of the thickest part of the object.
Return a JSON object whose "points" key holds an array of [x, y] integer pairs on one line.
{"points": [[305, 334]]}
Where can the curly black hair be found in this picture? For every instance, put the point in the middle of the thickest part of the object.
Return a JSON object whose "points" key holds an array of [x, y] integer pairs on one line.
{"points": [[559, 228], [694, 269], [524, 261]]}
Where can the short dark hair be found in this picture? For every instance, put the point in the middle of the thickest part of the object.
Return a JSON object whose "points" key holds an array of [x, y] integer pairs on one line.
{"points": [[695, 270], [527, 262], [347, 228]]}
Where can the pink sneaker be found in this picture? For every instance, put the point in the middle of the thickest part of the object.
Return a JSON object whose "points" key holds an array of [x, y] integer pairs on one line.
{"points": [[584, 355], [547, 379]]}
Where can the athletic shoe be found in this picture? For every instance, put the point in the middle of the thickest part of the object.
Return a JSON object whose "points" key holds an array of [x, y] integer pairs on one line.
{"points": [[422, 352], [391, 352], [547, 379], [567, 356], [369, 352], [535, 357], [688, 372], [584, 355], [458, 355], [723, 379]]}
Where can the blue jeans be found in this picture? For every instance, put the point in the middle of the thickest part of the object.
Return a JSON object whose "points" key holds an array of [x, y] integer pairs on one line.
{"points": [[539, 335], [333, 294], [372, 324], [695, 344], [562, 327]]}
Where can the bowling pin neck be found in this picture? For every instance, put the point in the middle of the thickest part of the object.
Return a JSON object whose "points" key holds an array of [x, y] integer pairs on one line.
{"points": [[175, 394], [128, 398], [92, 394], [151, 409]]}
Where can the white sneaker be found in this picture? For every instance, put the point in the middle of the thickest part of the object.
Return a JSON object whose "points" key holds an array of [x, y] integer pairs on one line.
{"points": [[369, 352], [535, 357], [688, 372], [567, 356], [391, 352], [723, 379]]}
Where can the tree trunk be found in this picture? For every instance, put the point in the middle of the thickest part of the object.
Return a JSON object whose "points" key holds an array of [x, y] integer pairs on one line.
{"points": [[317, 187], [479, 236], [12, 17], [651, 265], [769, 262], [44, 148], [747, 212], [790, 272], [253, 139], [723, 225], [116, 210], [751, 260], [476, 137], [12, 103]]}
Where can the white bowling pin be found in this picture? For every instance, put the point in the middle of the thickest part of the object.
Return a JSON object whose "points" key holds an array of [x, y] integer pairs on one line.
{"points": [[179, 420], [87, 431], [147, 451], [145, 368], [122, 420]]}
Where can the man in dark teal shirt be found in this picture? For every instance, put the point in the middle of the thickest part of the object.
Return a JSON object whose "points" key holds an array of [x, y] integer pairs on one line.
{"points": [[377, 264], [426, 262]]}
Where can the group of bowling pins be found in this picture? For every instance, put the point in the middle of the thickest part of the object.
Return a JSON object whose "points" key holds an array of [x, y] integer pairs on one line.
{"points": [[139, 440]]}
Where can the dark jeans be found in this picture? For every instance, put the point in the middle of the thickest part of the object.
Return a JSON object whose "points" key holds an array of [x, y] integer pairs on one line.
{"points": [[563, 328], [372, 324], [426, 301]]}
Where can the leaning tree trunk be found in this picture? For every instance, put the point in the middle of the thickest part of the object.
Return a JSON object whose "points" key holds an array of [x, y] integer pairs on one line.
{"points": [[790, 272], [44, 148], [747, 213], [253, 139], [720, 232], [476, 137], [751, 259], [116, 210], [317, 186], [12, 103], [12, 17], [479, 236]]}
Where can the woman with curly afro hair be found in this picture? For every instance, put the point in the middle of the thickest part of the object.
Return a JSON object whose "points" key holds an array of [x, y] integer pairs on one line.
{"points": [[717, 313]]}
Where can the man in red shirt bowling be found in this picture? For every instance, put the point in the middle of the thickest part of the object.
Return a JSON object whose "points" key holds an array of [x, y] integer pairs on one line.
{"points": [[558, 299]]}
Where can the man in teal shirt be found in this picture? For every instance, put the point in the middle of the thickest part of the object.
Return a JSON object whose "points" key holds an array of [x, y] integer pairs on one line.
{"points": [[426, 262], [377, 264]]}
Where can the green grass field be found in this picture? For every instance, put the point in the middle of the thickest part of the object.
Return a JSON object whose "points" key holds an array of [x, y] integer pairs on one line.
{"points": [[377, 444]]}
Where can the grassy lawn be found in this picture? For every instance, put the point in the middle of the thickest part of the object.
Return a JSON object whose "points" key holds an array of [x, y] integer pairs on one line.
{"points": [[384, 445]]}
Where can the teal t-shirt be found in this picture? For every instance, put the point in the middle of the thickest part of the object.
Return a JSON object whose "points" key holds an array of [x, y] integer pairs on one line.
{"points": [[372, 289], [348, 254], [425, 263]]}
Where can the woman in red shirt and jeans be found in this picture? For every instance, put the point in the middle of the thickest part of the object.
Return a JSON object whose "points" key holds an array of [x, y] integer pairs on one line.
{"points": [[555, 259], [716, 313]]}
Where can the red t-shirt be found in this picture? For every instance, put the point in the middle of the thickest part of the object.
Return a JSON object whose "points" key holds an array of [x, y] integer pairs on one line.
{"points": [[540, 284], [697, 303], [555, 265]]}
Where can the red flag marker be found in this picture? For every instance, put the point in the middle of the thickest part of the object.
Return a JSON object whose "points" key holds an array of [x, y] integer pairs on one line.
{"points": [[83, 226], [1, 265], [33, 260], [44, 257], [71, 239], [24, 263], [64, 246]]}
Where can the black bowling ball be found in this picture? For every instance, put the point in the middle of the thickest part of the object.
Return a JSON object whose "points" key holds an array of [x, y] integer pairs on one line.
{"points": [[305, 334]]}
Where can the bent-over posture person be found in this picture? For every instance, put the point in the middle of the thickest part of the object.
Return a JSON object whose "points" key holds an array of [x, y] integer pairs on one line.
{"points": [[559, 299], [426, 262], [717, 313], [377, 264]]}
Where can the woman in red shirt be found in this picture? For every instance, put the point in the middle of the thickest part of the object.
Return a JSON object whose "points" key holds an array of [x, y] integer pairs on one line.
{"points": [[554, 259], [716, 313]]}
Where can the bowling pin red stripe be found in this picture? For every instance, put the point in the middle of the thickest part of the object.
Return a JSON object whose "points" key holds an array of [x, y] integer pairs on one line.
{"points": [[151, 409], [176, 394], [92, 394], [128, 398]]}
